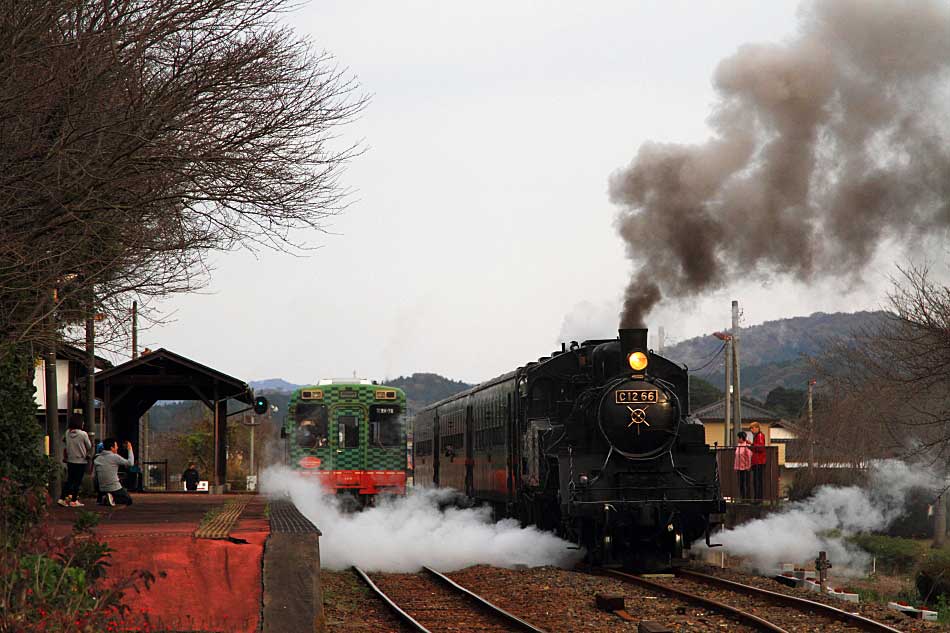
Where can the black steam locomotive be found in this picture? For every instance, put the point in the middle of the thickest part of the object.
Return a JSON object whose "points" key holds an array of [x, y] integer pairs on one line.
{"points": [[593, 442]]}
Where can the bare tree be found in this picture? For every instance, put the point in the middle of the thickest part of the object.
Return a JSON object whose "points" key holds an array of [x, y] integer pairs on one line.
{"points": [[901, 369], [136, 136]]}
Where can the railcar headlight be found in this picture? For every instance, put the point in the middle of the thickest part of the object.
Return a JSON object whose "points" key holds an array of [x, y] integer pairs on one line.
{"points": [[638, 361]]}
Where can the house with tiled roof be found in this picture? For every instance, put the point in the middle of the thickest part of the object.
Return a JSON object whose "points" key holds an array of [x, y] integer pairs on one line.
{"points": [[778, 431]]}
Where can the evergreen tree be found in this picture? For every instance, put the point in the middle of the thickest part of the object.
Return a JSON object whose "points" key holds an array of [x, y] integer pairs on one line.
{"points": [[24, 470]]}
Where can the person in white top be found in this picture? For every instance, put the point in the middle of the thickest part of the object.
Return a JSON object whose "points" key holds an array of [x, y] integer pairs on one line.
{"points": [[76, 455]]}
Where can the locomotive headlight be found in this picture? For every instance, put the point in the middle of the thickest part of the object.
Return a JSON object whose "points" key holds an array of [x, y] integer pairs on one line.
{"points": [[638, 361]]}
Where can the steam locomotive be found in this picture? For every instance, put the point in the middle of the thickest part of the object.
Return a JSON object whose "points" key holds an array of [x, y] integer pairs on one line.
{"points": [[593, 442]]}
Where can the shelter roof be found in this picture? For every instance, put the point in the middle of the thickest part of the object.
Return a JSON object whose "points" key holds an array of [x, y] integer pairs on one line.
{"points": [[170, 376], [71, 352]]}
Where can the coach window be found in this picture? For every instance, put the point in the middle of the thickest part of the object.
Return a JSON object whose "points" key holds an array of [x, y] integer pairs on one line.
{"points": [[349, 431], [312, 425], [385, 426]]}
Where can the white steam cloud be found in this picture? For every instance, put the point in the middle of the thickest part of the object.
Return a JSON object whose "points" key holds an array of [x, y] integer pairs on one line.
{"points": [[797, 534], [423, 528]]}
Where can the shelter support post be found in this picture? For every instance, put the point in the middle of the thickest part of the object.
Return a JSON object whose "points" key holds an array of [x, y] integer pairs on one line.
{"points": [[220, 442]]}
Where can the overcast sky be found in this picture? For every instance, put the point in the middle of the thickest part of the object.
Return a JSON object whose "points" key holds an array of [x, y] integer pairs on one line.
{"points": [[480, 232]]}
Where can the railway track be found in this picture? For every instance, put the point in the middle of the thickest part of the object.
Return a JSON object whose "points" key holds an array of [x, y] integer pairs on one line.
{"points": [[431, 602], [760, 608]]}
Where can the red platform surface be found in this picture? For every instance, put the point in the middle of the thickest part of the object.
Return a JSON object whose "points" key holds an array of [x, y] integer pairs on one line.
{"points": [[201, 584]]}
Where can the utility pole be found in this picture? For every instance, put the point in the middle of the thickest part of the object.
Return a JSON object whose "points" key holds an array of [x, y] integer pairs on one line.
{"points": [[90, 412], [737, 407], [661, 341], [811, 425], [940, 521], [135, 329], [52, 422], [52, 404], [727, 416]]}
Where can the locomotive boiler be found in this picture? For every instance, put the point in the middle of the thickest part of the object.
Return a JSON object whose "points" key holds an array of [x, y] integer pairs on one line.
{"points": [[593, 442]]}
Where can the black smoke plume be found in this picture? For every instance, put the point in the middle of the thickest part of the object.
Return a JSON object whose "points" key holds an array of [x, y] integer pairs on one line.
{"points": [[823, 147]]}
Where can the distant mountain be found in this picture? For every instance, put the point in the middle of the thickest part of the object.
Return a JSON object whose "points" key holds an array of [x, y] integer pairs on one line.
{"points": [[273, 384], [421, 388], [424, 389], [773, 353]]}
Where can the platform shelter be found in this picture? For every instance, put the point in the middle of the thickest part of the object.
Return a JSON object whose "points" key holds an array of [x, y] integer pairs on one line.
{"points": [[128, 390]]}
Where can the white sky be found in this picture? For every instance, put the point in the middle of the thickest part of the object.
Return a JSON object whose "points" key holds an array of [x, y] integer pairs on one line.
{"points": [[480, 219]]}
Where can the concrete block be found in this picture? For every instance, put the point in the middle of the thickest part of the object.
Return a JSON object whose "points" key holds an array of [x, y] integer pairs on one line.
{"points": [[610, 601]]}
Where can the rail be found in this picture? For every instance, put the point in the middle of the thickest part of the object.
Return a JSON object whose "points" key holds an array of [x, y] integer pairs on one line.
{"points": [[478, 601], [501, 613], [742, 616], [402, 615], [853, 619]]}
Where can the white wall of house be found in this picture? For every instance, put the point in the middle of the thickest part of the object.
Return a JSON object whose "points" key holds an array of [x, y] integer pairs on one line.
{"points": [[62, 384]]}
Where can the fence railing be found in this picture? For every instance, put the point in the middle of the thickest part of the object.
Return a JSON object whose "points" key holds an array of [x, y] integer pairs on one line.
{"points": [[155, 476], [729, 479]]}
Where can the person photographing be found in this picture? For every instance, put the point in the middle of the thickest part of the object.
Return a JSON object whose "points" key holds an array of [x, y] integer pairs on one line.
{"points": [[107, 473]]}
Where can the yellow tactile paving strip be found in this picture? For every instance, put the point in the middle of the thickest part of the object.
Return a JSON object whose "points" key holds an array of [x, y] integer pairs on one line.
{"points": [[221, 523]]}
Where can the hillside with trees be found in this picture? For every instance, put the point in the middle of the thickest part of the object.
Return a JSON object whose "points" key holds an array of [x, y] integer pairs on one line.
{"points": [[774, 353], [423, 389]]}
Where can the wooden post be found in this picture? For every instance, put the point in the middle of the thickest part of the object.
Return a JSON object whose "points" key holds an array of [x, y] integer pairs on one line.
{"points": [[135, 329], [90, 405], [220, 441], [811, 426], [52, 423], [737, 406]]}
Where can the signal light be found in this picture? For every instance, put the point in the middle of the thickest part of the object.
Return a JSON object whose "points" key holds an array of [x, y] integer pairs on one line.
{"points": [[260, 405], [638, 361]]}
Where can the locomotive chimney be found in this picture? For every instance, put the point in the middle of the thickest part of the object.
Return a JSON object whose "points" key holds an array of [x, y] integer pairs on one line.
{"points": [[633, 340]]}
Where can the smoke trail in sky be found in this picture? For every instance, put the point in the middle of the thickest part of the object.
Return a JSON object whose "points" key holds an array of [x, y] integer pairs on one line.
{"points": [[424, 528], [823, 148], [798, 533]]}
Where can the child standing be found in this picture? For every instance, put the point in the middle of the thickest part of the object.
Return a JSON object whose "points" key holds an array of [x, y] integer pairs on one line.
{"points": [[743, 464]]}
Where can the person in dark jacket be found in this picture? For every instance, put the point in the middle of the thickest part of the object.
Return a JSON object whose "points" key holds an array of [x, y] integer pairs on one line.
{"points": [[191, 477]]}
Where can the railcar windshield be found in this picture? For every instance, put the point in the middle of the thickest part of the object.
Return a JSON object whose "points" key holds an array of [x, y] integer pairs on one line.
{"points": [[312, 425], [349, 431], [386, 426]]}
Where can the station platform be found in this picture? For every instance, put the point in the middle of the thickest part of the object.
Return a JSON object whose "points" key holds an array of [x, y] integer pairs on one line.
{"points": [[202, 584]]}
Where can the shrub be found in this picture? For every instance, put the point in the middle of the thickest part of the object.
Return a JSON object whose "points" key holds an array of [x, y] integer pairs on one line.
{"points": [[933, 577], [806, 480], [59, 585], [894, 555]]}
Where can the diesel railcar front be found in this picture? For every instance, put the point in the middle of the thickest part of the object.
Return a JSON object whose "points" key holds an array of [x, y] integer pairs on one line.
{"points": [[350, 435]]}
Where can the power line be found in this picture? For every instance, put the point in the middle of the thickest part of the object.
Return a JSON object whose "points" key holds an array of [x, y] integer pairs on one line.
{"points": [[709, 362]]}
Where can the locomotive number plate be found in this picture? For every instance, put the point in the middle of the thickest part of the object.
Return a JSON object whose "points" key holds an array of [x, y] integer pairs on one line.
{"points": [[631, 396]]}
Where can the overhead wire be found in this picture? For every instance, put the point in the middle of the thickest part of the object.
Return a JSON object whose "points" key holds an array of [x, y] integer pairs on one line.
{"points": [[710, 361]]}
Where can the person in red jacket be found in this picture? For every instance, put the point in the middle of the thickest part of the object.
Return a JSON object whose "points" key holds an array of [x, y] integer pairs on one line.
{"points": [[758, 459]]}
